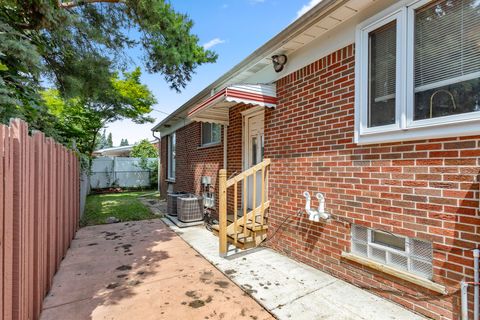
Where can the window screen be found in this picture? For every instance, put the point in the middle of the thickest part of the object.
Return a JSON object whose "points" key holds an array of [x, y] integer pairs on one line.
{"points": [[382, 74], [211, 133], [447, 58]]}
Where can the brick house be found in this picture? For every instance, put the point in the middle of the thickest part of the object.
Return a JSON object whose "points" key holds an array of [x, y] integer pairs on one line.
{"points": [[377, 108]]}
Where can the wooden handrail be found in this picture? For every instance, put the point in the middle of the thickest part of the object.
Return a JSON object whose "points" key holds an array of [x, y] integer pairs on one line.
{"points": [[251, 215], [222, 206], [239, 177]]}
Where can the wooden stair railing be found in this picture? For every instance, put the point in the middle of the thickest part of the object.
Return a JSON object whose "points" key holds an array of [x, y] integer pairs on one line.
{"points": [[250, 229]]}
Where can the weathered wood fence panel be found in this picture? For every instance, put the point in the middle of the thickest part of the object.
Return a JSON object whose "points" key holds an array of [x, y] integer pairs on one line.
{"points": [[39, 215]]}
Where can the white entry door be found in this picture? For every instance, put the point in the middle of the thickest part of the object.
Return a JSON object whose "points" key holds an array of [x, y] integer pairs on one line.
{"points": [[253, 154]]}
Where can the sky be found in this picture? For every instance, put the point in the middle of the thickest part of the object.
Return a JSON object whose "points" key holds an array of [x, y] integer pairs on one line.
{"points": [[231, 28]]}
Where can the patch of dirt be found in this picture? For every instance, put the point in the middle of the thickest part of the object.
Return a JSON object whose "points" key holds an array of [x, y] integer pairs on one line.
{"points": [[248, 289], [124, 268], [222, 284], [230, 271], [206, 276], [134, 282], [196, 304], [113, 285], [191, 294]]}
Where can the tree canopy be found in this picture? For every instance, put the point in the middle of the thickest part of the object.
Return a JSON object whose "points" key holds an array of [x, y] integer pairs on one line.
{"points": [[144, 149], [123, 142], [79, 50], [82, 120]]}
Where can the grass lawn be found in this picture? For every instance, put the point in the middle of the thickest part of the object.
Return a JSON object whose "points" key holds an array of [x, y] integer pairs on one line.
{"points": [[123, 206]]}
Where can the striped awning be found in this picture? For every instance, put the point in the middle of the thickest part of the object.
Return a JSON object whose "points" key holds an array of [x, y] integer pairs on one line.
{"points": [[215, 109]]}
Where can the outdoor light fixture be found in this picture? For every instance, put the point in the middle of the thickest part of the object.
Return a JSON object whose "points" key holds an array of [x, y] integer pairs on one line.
{"points": [[279, 60]]}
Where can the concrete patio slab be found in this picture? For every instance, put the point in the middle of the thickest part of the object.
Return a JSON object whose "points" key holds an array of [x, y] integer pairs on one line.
{"points": [[142, 270], [289, 289]]}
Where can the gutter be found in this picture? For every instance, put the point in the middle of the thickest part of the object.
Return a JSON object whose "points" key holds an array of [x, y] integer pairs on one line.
{"points": [[309, 19]]}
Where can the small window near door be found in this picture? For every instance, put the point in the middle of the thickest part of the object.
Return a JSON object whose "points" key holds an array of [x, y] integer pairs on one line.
{"points": [[211, 133], [254, 151]]}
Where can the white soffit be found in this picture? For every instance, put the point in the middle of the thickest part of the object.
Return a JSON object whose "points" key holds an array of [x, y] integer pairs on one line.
{"points": [[333, 19]]}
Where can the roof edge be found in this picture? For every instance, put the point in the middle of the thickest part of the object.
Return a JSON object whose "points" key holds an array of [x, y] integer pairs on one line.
{"points": [[292, 30]]}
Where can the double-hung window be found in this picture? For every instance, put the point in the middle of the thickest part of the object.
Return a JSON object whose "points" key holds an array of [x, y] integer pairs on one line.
{"points": [[211, 133], [171, 146], [418, 72]]}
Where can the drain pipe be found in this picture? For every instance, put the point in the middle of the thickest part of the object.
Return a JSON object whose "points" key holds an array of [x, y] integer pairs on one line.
{"points": [[225, 146], [476, 254], [464, 297]]}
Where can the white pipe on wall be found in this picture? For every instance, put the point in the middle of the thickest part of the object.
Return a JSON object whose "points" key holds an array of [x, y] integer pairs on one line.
{"points": [[464, 296], [225, 147], [476, 253]]}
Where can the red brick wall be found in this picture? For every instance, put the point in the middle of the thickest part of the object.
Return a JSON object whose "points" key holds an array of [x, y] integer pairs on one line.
{"points": [[192, 160], [423, 189]]}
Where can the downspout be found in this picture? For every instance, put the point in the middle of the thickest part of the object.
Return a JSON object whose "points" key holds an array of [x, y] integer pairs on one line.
{"points": [[159, 141], [476, 253], [225, 146], [464, 290], [464, 299]]}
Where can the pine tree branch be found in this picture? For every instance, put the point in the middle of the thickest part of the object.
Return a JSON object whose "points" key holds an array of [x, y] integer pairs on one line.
{"points": [[76, 3]]}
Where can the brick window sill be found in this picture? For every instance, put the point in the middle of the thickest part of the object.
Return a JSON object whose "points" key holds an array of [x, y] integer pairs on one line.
{"points": [[419, 281]]}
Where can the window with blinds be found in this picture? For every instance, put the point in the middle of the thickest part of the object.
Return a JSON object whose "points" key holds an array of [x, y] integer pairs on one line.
{"points": [[382, 74], [417, 71], [447, 58]]}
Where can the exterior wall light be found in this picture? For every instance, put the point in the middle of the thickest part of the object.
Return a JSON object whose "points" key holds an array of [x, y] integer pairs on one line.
{"points": [[279, 61]]}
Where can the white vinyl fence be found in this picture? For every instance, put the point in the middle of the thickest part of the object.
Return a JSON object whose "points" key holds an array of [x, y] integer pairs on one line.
{"points": [[109, 172]]}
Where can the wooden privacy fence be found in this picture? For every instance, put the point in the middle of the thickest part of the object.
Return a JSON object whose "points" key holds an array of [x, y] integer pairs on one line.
{"points": [[39, 214]]}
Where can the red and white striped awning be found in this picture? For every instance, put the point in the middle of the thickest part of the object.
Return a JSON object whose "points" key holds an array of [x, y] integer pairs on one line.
{"points": [[215, 109]]}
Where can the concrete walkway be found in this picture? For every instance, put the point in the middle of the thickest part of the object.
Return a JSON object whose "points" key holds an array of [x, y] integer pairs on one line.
{"points": [[292, 290], [142, 270]]}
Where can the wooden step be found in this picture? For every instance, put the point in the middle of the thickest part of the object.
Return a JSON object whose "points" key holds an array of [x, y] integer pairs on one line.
{"points": [[240, 219], [253, 226], [242, 241]]}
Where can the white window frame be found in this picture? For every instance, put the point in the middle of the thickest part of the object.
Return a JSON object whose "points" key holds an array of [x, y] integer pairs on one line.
{"points": [[211, 143], [171, 161], [404, 128]]}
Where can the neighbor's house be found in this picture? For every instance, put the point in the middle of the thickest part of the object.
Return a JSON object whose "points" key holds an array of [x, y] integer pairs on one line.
{"points": [[377, 108], [121, 151]]}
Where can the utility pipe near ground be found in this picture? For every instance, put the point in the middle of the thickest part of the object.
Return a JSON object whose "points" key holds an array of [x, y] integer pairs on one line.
{"points": [[476, 253], [464, 290]]}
